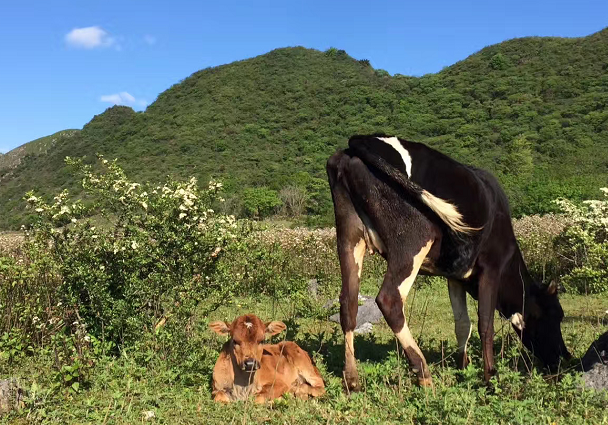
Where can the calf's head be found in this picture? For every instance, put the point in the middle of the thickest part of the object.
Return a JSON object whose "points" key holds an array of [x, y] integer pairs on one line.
{"points": [[247, 335], [540, 329]]}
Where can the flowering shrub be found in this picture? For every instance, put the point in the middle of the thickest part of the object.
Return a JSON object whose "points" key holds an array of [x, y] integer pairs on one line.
{"points": [[148, 257], [536, 236], [584, 244]]}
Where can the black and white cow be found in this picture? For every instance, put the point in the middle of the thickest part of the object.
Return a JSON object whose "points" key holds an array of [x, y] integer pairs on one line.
{"points": [[425, 212]]}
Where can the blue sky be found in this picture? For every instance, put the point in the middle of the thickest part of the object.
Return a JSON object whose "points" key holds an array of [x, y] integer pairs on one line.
{"points": [[61, 62]]}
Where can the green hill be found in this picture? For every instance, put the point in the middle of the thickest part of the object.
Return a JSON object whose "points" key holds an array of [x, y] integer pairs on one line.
{"points": [[532, 110]]}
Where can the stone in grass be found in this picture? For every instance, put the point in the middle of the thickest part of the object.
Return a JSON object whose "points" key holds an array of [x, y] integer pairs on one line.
{"points": [[595, 364], [367, 315], [11, 396]]}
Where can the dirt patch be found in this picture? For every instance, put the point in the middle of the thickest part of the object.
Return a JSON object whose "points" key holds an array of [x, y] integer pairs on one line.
{"points": [[9, 241]]}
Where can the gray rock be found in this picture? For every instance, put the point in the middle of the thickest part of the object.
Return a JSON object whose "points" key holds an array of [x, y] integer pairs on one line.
{"points": [[367, 314], [364, 328], [11, 395], [313, 288], [595, 364], [597, 377]]}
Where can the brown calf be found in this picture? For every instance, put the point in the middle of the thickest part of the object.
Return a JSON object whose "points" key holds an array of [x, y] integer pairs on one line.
{"points": [[247, 367]]}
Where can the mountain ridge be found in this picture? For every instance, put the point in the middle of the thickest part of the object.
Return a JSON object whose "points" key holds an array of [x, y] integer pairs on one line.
{"points": [[531, 110]]}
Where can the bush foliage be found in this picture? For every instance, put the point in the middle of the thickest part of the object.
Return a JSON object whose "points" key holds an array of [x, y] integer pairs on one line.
{"points": [[584, 245], [152, 254]]}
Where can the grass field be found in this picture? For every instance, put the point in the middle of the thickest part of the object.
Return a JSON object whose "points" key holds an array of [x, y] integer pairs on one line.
{"points": [[164, 380], [124, 390]]}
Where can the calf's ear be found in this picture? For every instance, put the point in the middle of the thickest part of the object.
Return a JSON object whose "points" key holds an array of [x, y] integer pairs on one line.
{"points": [[275, 327], [221, 328]]}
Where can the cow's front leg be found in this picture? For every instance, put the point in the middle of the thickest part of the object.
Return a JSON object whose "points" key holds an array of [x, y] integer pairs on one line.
{"points": [[398, 281], [488, 292], [271, 391], [462, 323]]}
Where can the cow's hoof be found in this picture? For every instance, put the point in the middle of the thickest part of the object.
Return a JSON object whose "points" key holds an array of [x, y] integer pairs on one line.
{"points": [[462, 360], [260, 399], [425, 382], [353, 387], [221, 398], [351, 382]]}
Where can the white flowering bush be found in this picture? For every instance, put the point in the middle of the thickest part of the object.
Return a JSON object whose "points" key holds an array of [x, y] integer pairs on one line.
{"points": [[536, 236], [584, 244], [148, 256]]}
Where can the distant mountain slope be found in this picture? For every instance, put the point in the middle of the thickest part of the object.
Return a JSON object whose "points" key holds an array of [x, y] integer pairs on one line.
{"points": [[532, 110], [41, 146]]}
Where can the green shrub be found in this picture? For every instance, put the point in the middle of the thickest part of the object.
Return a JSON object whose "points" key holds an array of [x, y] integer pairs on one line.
{"points": [[260, 202]]}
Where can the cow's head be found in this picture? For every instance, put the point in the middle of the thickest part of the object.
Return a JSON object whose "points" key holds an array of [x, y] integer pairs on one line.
{"points": [[247, 334], [540, 328]]}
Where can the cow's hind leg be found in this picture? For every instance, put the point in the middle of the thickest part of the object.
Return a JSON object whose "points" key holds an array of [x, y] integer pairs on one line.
{"points": [[313, 384], [351, 250], [309, 378], [462, 322], [399, 278]]}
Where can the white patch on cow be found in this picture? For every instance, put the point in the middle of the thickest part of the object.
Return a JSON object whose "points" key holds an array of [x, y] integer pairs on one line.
{"points": [[349, 348], [406, 285], [375, 240], [248, 325], [462, 322], [405, 155], [518, 321], [359, 253], [404, 336], [468, 274]]}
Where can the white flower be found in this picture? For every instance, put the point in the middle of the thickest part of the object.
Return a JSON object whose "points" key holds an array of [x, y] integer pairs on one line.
{"points": [[134, 245], [73, 220], [32, 199], [145, 205], [182, 215], [39, 209]]}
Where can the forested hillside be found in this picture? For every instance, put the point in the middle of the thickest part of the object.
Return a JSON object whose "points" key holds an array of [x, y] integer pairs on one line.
{"points": [[533, 111]]}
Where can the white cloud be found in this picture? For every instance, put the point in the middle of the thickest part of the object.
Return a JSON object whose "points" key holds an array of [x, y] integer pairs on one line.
{"points": [[150, 39], [89, 38], [123, 98]]}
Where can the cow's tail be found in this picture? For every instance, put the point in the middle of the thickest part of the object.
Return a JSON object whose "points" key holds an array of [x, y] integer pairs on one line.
{"points": [[446, 211]]}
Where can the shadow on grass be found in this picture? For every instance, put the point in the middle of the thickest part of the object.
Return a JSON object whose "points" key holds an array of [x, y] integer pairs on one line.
{"points": [[594, 320]]}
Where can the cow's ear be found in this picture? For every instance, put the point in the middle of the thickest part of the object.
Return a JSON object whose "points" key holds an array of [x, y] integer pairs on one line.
{"points": [[552, 288], [221, 328], [275, 327]]}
